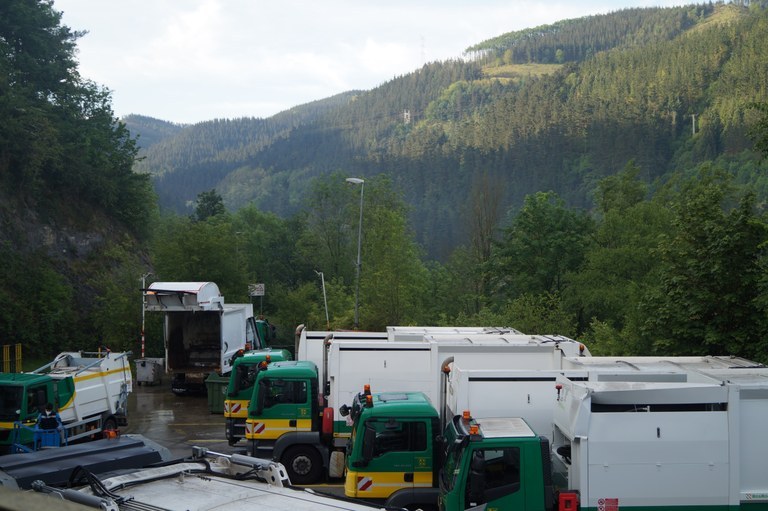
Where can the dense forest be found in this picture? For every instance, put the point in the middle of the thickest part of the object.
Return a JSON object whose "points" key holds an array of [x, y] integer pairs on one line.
{"points": [[73, 214], [566, 192], [552, 108]]}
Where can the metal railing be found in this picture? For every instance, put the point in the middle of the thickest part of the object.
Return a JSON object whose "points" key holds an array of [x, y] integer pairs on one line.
{"points": [[11, 358]]}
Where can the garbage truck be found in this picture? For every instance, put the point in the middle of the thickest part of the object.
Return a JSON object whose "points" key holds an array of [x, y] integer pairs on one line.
{"points": [[239, 388], [89, 390], [670, 442], [296, 412], [201, 332]]}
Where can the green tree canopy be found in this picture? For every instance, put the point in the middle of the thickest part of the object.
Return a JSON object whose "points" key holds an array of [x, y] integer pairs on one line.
{"points": [[209, 204], [709, 296], [545, 242]]}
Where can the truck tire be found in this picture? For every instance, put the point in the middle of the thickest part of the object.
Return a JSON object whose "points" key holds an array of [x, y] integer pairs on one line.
{"points": [[303, 464]]}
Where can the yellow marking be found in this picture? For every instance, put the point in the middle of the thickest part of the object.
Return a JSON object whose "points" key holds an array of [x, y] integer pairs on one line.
{"points": [[68, 403], [9, 425], [384, 483], [275, 428], [100, 374], [242, 414]]}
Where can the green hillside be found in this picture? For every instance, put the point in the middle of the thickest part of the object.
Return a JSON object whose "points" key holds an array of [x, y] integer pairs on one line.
{"points": [[550, 108]]}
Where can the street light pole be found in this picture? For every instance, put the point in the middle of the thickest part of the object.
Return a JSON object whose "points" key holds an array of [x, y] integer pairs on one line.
{"points": [[143, 308], [325, 300], [361, 182]]}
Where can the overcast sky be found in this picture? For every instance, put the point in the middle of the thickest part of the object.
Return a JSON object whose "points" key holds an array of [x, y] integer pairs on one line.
{"points": [[188, 61]]}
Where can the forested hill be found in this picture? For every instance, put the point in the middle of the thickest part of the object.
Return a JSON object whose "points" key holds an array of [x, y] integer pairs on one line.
{"points": [[556, 108], [74, 217]]}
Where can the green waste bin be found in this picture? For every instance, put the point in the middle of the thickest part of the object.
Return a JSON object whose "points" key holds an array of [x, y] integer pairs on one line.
{"points": [[216, 387]]}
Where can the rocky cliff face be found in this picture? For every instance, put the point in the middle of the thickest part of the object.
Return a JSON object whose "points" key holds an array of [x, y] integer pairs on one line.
{"points": [[66, 269], [49, 230]]}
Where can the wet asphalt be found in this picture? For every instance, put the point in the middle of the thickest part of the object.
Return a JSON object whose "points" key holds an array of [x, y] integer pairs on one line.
{"points": [[177, 422], [180, 423]]}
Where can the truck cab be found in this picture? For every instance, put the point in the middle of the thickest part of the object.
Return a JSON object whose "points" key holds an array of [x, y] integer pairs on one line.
{"points": [[394, 445], [397, 456], [497, 463], [22, 397], [245, 367], [284, 417]]}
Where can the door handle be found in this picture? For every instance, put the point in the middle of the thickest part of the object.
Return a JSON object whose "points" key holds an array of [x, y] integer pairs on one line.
{"points": [[292, 423], [408, 477]]}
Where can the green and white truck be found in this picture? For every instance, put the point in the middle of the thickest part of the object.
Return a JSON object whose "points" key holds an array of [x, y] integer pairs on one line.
{"points": [[679, 435], [308, 433], [245, 367], [89, 390]]}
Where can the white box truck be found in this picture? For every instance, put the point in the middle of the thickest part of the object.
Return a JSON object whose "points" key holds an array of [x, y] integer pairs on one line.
{"points": [[645, 434], [201, 333]]}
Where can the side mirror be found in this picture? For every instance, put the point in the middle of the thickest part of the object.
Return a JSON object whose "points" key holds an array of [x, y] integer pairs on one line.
{"points": [[236, 386], [369, 440], [477, 478], [261, 394]]}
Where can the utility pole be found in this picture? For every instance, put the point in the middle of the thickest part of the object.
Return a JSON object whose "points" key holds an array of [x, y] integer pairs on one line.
{"points": [[361, 182]]}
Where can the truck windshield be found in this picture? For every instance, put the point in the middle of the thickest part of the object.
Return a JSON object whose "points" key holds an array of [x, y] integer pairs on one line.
{"points": [[10, 402]]}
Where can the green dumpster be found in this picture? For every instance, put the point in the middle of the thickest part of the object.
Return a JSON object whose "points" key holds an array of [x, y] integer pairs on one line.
{"points": [[216, 386]]}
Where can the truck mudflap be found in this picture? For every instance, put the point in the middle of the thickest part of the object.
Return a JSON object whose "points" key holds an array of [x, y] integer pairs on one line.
{"points": [[55, 466]]}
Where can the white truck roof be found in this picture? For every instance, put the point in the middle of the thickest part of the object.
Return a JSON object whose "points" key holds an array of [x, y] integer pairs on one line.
{"points": [[407, 333], [183, 296]]}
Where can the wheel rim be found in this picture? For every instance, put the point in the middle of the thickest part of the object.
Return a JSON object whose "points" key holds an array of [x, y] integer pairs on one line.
{"points": [[301, 465]]}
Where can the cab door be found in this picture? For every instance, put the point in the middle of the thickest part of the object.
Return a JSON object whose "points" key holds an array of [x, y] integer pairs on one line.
{"points": [[493, 480], [287, 408], [401, 457]]}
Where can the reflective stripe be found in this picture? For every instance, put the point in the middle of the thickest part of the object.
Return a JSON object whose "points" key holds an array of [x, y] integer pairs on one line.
{"points": [[380, 485], [364, 483], [233, 408]]}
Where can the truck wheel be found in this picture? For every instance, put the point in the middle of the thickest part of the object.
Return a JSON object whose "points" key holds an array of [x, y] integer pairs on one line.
{"points": [[303, 464]]}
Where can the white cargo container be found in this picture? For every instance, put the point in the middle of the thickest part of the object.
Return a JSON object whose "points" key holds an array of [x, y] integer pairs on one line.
{"points": [[421, 365], [699, 443], [309, 343]]}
